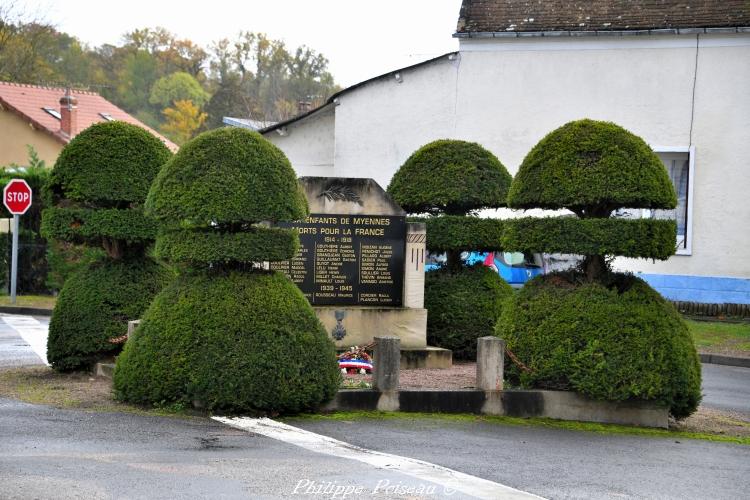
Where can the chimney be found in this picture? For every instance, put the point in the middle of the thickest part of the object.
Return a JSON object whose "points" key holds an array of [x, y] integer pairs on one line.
{"points": [[303, 107], [69, 114]]}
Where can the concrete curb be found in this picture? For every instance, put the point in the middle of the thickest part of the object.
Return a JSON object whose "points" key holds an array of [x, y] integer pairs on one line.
{"points": [[720, 359], [28, 311], [560, 405]]}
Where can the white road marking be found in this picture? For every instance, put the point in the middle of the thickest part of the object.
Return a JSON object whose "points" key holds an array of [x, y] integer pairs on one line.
{"points": [[31, 331], [449, 479]]}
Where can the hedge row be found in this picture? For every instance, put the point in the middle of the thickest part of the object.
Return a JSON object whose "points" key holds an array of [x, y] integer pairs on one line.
{"points": [[587, 163], [201, 247], [108, 163], [85, 225], [456, 232], [451, 177], [209, 182], [643, 238]]}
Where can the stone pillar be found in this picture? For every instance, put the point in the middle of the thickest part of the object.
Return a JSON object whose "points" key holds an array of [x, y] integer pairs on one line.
{"points": [[416, 248], [490, 363], [387, 363], [132, 325]]}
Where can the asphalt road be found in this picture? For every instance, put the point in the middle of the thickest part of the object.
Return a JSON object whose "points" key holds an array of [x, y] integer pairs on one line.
{"points": [[46, 453], [556, 463], [51, 453], [726, 388]]}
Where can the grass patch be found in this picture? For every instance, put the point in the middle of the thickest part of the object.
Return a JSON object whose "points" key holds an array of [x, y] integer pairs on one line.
{"points": [[38, 301], [535, 422], [76, 391], [720, 336]]}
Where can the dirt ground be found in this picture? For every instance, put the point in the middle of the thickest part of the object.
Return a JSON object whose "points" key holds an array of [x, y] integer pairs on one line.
{"points": [[41, 385]]}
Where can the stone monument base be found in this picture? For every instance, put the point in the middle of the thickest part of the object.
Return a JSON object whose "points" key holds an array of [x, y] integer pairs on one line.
{"points": [[359, 325]]}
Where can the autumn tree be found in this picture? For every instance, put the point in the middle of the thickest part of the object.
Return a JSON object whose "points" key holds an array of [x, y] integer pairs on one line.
{"points": [[183, 121]]}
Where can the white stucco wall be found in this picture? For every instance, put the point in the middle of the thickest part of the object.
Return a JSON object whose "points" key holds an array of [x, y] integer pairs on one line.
{"points": [[309, 144], [508, 93]]}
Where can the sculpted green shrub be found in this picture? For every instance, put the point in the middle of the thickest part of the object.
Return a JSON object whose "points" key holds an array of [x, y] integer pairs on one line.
{"points": [[96, 193], [450, 181], [614, 341], [228, 335], [603, 334], [463, 307]]}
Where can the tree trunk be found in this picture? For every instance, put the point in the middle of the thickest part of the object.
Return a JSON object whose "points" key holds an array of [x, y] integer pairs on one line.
{"points": [[114, 248], [454, 261], [594, 267]]}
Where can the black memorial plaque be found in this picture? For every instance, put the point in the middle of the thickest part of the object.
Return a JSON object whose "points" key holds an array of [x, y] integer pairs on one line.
{"points": [[349, 259]]}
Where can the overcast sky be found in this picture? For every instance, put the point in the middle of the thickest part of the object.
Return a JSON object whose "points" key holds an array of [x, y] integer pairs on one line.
{"points": [[361, 39]]}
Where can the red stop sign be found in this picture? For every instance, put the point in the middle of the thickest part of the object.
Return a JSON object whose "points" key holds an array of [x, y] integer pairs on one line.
{"points": [[17, 196]]}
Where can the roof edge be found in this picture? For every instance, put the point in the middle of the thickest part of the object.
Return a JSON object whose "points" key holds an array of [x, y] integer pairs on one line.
{"points": [[575, 33], [341, 92]]}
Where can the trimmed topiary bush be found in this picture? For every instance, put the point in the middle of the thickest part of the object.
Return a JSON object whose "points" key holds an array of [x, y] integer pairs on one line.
{"points": [[612, 341], [606, 335], [462, 304], [96, 192], [592, 168], [228, 335], [451, 180]]}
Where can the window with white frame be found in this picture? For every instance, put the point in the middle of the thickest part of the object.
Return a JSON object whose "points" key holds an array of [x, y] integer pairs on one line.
{"points": [[679, 165]]}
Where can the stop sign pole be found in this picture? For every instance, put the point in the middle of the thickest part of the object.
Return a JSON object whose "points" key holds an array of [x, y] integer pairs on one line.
{"points": [[17, 199]]}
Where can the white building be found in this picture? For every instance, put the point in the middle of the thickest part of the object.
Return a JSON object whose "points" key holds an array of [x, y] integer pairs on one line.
{"points": [[676, 73]]}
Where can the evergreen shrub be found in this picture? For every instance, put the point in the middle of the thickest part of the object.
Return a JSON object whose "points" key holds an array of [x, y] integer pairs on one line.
{"points": [[606, 335], [463, 307], [95, 197], [228, 335], [450, 181], [611, 341], [95, 304]]}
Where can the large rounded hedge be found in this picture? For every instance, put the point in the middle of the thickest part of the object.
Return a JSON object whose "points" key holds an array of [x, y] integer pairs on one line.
{"points": [[94, 307], [108, 164], [463, 306], [226, 176], [450, 177], [227, 335], [613, 340], [588, 163], [230, 341]]}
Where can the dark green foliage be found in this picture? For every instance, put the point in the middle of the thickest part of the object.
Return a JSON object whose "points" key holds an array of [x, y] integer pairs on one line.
{"points": [[462, 307], [225, 176], [207, 246], [95, 305], [451, 177], [612, 341], [455, 232], [85, 225], [65, 259], [108, 164], [646, 238], [233, 341], [591, 163]]}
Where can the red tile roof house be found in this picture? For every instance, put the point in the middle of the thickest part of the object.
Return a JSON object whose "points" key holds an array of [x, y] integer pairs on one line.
{"points": [[47, 118]]}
